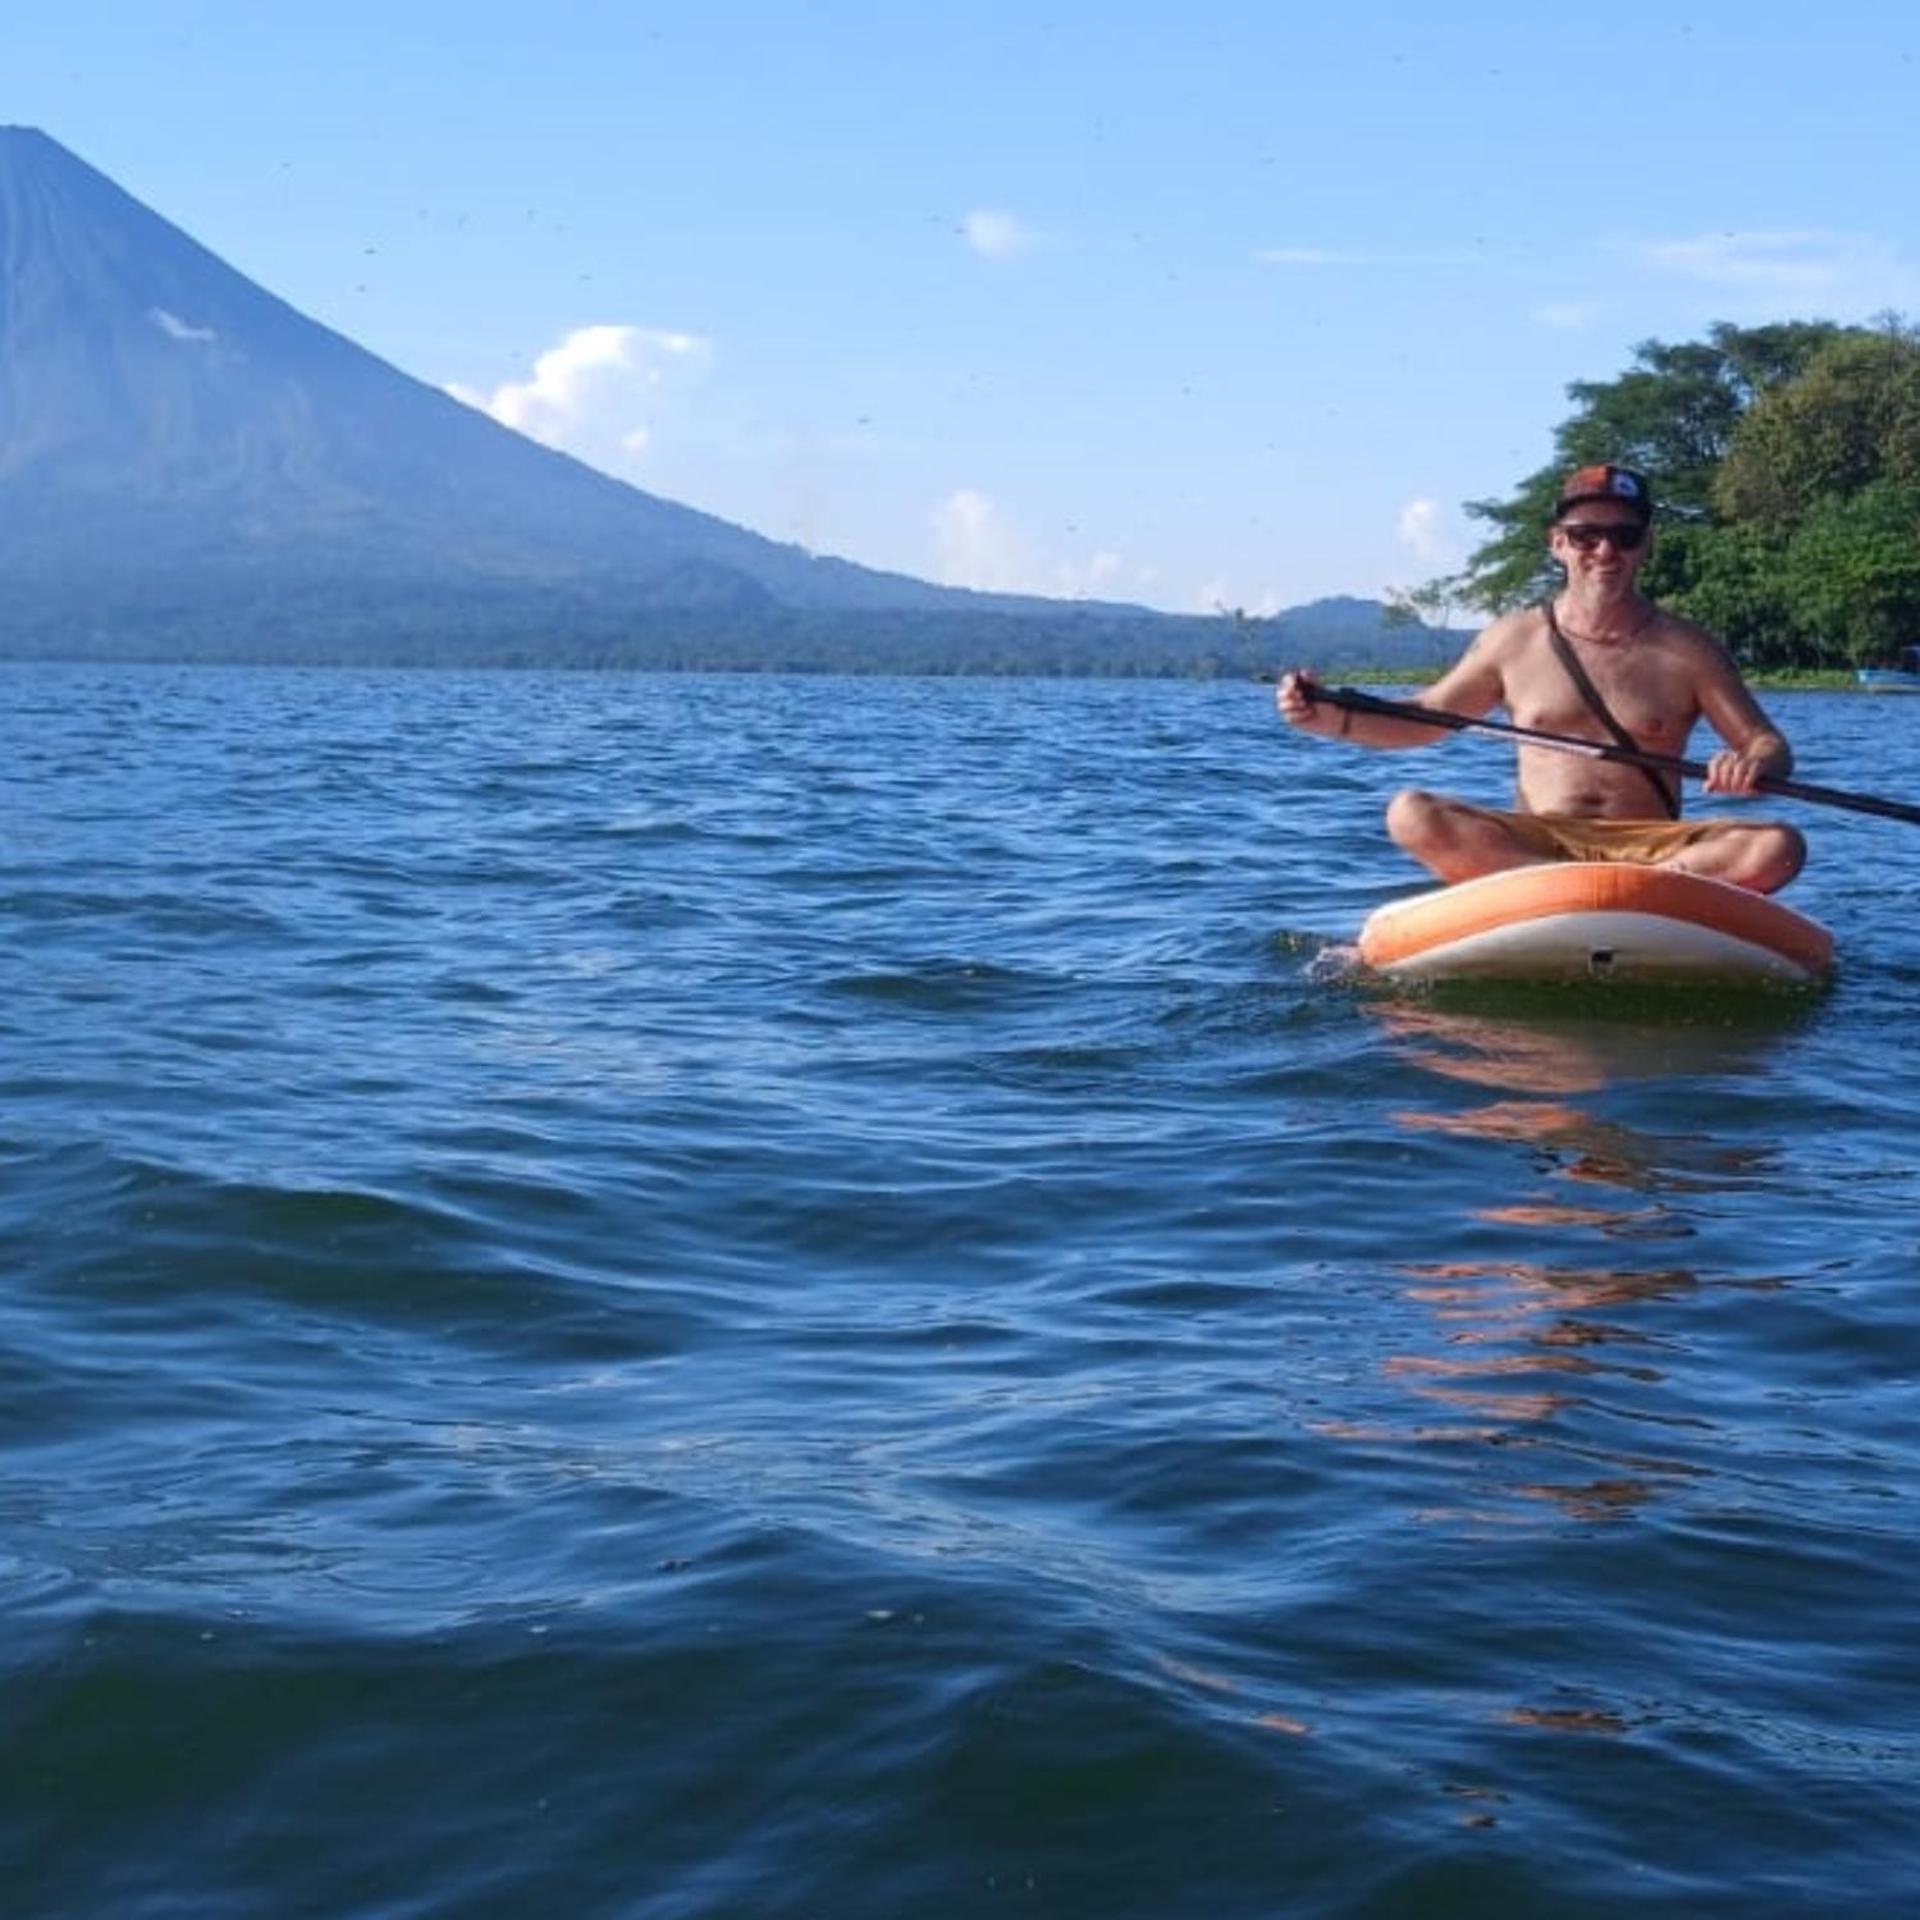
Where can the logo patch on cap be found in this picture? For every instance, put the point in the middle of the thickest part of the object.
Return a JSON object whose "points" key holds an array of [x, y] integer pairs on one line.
{"points": [[1623, 484]]}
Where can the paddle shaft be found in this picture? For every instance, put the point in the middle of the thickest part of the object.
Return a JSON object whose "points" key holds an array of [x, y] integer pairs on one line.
{"points": [[1355, 701]]}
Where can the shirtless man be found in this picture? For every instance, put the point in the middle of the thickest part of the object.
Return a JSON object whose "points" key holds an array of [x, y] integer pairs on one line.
{"points": [[1657, 673]]}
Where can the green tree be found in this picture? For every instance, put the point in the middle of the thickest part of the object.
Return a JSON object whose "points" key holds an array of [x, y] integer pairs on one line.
{"points": [[1851, 418], [1434, 603], [1852, 573], [1732, 581]]}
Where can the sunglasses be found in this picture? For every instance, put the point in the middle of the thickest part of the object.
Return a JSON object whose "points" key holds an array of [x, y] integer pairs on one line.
{"points": [[1584, 535]]}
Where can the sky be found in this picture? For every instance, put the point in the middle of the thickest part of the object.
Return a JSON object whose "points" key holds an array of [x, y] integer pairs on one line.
{"points": [[1200, 306]]}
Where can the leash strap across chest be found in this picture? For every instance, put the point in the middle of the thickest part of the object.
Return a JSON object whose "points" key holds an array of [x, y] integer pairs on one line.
{"points": [[1565, 654]]}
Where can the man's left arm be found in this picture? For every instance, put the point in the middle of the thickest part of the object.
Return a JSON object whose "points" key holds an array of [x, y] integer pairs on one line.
{"points": [[1755, 747]]}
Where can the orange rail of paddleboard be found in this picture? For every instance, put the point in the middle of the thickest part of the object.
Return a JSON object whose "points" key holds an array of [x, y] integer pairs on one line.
{"points": [[1413, 927]]}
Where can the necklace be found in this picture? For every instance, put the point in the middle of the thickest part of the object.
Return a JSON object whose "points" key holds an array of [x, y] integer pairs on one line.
{"points": [[1612, 639]]}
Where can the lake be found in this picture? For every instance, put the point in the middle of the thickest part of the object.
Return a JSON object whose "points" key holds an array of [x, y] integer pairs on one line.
{"points": [[700, 1296]]}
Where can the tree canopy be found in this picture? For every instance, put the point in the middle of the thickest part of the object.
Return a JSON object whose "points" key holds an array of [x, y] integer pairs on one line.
{"points": [[1785, 461]]}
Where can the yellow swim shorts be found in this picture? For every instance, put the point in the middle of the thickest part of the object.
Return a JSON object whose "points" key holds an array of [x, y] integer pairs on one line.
{"points": [[1565, 836]]}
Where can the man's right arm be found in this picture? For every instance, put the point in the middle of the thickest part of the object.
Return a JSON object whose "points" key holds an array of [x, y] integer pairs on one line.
{"points": [[1473, 685]]}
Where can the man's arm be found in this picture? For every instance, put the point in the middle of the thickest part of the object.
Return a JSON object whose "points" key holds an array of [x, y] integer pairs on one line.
{"points": [[1755, 746], [1473, 685]]}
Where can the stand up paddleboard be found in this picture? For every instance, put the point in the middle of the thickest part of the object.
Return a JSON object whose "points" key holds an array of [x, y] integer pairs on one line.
{"points": [[1596, 920]]}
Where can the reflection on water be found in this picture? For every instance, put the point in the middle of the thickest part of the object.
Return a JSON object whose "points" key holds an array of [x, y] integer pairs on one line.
{"points": [[1583, 1050], [1557, 1360], [1569, 1719], [1568, 1330], [1578, 1056], [1574, 1145]]}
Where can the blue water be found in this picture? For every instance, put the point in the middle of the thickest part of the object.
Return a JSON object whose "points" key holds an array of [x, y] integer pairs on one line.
{"points": [[666, 1297]]}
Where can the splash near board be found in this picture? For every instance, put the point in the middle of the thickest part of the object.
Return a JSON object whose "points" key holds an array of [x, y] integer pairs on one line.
{"points": [[1596, 920]]}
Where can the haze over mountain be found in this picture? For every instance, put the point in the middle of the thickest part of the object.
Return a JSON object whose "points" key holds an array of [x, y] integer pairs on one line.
{"points": [[189, 465]]}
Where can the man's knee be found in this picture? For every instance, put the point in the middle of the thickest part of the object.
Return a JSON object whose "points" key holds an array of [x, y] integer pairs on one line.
{"points": [[1761, 859], [1779, 854], [1413, 816], [1766, 858]]}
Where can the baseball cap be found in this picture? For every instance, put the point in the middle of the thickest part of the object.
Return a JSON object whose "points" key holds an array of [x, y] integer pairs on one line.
{"points": [[1621, 485]]}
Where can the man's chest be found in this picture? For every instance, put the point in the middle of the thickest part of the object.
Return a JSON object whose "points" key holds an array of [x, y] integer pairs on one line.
{"points": [[1646, 691]]}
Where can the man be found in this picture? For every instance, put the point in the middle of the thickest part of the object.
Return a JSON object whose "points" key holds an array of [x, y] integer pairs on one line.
{"points": [[1655, 673]]}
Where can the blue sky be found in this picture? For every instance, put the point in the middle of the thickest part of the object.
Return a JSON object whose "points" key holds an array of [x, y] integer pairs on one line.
{"points": [[1215, 304]]}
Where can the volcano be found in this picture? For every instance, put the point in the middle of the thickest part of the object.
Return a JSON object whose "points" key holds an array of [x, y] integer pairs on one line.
{"points": [[178, 446]]}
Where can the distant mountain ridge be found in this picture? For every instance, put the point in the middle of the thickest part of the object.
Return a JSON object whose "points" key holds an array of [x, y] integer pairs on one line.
{"points": [[189, 465]]}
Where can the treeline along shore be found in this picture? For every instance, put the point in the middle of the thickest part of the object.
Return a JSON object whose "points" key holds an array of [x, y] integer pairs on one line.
{"points": [[376, 628]]}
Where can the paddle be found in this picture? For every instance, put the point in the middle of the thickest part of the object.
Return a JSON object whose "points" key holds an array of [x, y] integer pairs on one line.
{"points": [[1357, 702]]}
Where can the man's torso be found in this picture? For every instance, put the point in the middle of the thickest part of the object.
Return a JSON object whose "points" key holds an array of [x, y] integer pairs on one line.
{"points": [[1651, 683]]}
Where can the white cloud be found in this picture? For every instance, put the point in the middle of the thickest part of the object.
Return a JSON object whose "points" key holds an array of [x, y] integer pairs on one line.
{"points": [[1100, 576], [996, 235], [1780, 262], [1344, 257], [1841, 272], [980, 547], [1430, 533], [177, 329], [596, 393], [1311, 257], [1569, 316], [1418, 527]]}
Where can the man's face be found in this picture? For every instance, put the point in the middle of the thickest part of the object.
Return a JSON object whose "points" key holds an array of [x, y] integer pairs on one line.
{"points": [[1582, 541]]}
